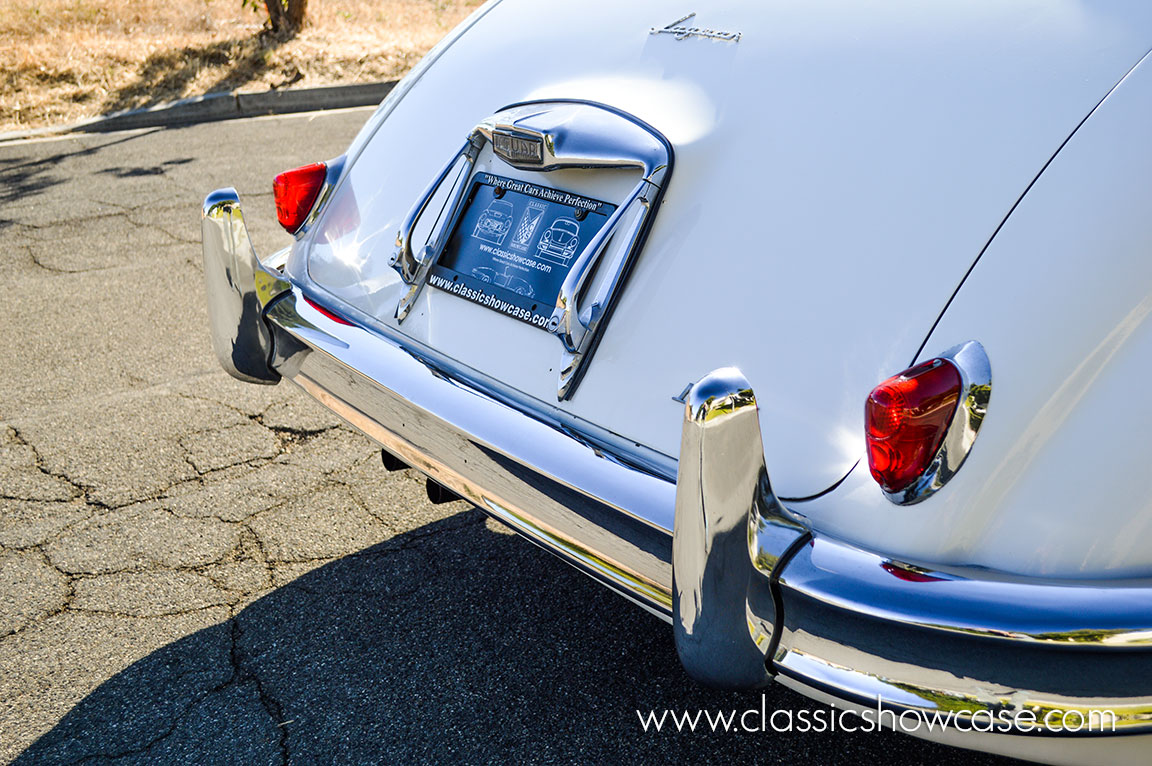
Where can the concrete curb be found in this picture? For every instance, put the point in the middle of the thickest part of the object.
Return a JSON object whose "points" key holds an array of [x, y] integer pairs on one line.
{"points": [[221, 106]]}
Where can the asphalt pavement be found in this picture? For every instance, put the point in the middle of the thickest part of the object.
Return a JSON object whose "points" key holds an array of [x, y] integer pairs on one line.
{"points": [[196, 570]]}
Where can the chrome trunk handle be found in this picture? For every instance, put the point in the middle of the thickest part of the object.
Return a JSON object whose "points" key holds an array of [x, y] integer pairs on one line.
{"points": [[545, 136], [578, 328], [414, 268]]}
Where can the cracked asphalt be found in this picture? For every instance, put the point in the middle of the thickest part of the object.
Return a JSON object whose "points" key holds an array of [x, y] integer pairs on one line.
{"points": [[196, 570]]}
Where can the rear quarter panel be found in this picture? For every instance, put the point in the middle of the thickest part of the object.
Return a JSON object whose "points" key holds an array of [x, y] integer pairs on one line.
{"points": [[1058, 482]]}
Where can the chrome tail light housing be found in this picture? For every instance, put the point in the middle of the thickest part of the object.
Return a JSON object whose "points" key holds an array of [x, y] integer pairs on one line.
{"points": [[920, 425]]}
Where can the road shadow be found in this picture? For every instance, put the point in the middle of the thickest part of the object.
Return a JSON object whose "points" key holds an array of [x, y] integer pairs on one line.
{"points": [[165, 75], [156, 169], [22, 177], [451, 642]]}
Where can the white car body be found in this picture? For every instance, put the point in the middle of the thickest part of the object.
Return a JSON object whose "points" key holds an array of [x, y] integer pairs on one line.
{"points": [[856, 188]]}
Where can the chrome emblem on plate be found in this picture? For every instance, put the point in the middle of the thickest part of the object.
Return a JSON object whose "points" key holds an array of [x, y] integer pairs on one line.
{"points": [[518, 149], [680, 32]]}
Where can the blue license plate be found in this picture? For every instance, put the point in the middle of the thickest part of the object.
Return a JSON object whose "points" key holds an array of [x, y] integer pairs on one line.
{"points": [[514, 244]]}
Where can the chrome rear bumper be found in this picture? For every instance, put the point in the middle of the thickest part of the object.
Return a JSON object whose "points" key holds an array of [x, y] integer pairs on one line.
{"points": [[608, 518], [751, 592]]}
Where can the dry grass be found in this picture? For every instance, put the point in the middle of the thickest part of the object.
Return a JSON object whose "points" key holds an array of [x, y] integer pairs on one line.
{"points": [[65, 60]]}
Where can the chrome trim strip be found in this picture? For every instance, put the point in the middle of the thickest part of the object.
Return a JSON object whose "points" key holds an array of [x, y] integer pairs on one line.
{"points": [[612, 520], [971, 361], [238, 287]]}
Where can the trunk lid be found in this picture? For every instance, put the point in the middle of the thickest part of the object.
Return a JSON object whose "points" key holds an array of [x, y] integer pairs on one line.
{"points": [[838, 169]]}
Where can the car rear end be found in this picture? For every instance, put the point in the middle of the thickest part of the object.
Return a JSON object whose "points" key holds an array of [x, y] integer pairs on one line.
{"points": [[772, 215]]}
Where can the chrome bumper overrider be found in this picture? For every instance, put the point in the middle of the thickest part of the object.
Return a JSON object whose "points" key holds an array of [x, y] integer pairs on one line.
{"points": [[751, 591], [238, 289]]}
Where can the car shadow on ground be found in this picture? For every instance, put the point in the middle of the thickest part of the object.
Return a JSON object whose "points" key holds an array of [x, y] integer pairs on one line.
{"points": [[452, 641]]}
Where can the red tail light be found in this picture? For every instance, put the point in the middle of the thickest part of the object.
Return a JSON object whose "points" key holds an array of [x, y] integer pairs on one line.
{"points": [[295, 192], [905, 420]]}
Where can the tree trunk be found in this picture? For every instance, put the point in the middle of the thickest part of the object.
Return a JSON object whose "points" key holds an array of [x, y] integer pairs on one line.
{"points": [[276, 16], [295, 14]]}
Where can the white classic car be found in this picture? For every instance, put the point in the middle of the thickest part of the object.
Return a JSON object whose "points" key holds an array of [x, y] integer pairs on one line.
{"points": [[896, 256]]}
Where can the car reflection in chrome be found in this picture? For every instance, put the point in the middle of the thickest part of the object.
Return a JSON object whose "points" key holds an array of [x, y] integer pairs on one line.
{"points": [[495, 222], [560, 241]]}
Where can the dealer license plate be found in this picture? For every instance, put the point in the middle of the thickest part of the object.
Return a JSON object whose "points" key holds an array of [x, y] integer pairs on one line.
{"points": [[514, 244]]}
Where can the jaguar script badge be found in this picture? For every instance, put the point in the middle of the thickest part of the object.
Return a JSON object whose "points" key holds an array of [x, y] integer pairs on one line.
{"points": [[681, 32], [518, 149]]}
